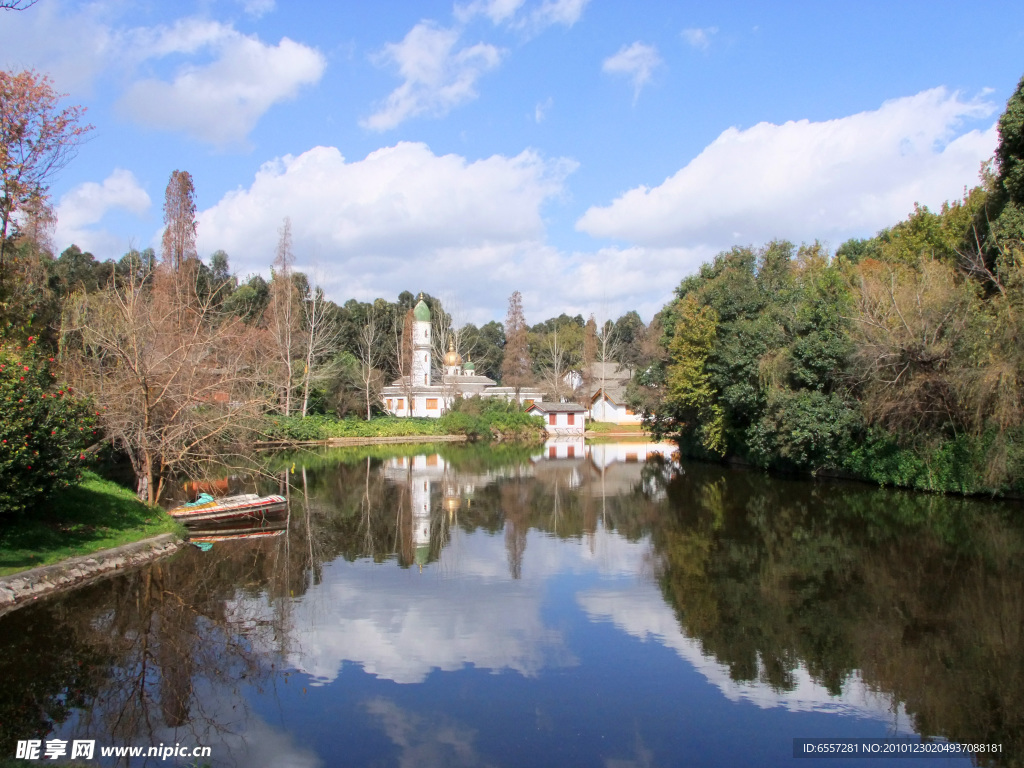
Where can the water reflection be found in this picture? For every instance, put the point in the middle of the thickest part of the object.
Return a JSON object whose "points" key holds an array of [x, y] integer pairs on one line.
{"points": [[580, 604]]}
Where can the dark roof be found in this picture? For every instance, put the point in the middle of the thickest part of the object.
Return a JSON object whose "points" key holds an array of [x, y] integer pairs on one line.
{"points": [[557, 407], [612, 378], [615, 399]]}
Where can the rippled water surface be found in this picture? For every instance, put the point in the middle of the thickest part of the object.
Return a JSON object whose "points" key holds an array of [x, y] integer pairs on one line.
{"points": [[591, 605]]}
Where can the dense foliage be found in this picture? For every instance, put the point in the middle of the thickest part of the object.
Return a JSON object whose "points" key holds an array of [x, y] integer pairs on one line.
{"points": [[43, 431], [899, 359], [491, 419]]}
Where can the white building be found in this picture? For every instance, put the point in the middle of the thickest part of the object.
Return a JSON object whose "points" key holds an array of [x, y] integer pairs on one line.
{"points": [[418, 394], [608, 401], [560, 418]]}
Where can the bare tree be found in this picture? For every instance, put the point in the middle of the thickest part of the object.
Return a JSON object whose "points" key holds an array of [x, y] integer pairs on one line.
{"points": [[174, 385], [449, 329], [607, 350], [283, 316], [370, 352], [320, 331], [558, 363], [16, 5], [516, 367], [401, 346]]}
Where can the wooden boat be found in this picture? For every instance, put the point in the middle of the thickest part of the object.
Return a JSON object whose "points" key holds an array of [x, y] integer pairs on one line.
{"points": [[245, 509]]}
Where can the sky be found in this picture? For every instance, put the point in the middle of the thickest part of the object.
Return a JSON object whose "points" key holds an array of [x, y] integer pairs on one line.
{"points": [[587, 153]]}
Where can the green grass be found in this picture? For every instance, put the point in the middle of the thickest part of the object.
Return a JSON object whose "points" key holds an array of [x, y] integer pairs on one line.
{"points": [[603, 426], [95, 515]]}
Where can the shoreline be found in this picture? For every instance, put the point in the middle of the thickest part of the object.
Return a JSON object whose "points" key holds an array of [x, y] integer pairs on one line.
{"points": [[333, 442], [25, 587]]}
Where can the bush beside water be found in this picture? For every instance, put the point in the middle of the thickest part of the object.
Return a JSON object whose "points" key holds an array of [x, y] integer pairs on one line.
{"points": [[43, 432], [476, 418]]}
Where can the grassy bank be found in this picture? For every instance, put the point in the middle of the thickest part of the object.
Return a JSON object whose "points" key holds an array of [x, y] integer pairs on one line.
{"points": [[95, 515], [602, 427]]}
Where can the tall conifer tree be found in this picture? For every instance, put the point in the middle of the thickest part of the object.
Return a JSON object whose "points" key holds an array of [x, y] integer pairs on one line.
{"points": [[515, 368]]}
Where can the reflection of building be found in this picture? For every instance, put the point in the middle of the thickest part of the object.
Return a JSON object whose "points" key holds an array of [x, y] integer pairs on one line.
{"points": [[420, 475], [436, 491], [417, 394]]}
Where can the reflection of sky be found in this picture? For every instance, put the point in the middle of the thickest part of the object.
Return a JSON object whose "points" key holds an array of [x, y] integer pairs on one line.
{"points": [[464, 610], [640, 611], [236, 736]]}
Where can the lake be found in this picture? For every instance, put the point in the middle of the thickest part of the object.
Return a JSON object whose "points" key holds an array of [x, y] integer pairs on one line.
{"points": [[576, 605]]}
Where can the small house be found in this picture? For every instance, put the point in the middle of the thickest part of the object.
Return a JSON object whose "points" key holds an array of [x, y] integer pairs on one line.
{"points": [[560, 418]]}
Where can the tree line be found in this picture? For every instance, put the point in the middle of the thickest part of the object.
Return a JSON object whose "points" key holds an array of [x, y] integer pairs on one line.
{"points": [[178, 360], [899, 358]]}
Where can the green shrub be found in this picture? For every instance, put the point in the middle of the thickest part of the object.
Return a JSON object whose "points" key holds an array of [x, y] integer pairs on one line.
{"points": [[487, 418], [314, 428], [43, 430], [476, 418], [954, 465]]}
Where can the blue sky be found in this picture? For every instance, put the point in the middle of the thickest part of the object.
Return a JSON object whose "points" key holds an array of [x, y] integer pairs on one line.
{"points": [[588, 153]]}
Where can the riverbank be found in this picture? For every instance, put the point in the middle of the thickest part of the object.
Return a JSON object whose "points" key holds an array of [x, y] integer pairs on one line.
{"points": [[28, 585], [471, 419], [334, 442], [93, 516]]}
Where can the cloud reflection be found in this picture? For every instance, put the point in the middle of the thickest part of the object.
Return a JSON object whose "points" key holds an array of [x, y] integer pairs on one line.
{"points": [[640, 611], [400, 624]]}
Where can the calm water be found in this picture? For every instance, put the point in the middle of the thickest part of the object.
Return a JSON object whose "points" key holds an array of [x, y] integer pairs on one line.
{"points": [[584, 606]]}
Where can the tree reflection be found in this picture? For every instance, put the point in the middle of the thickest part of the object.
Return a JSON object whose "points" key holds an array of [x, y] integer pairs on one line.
{"points": [[131, 655], [919, 595]]}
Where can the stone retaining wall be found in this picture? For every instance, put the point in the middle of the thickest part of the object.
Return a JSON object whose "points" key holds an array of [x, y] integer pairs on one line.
{"points": [[19, 588]]}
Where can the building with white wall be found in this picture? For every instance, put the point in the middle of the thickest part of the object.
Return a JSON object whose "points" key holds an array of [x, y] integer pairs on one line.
{"points": [[422, 394], [608, 398], [560, 418]]}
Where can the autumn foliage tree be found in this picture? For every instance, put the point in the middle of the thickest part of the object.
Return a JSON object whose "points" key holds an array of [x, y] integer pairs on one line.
{"points": [[179, 240], [178, 382], [37, 139], [516, 366]]}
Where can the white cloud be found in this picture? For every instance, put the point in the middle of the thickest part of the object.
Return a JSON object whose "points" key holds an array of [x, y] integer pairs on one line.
{"points": [[437, 75], [637, 61], [86, 205], [71, 45], [257, 8], [497, 11], [541, 110], [400, 217], [804, 180], [699, 37], [564, 12], [403, 218], [546, 14], [219, 102]]}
